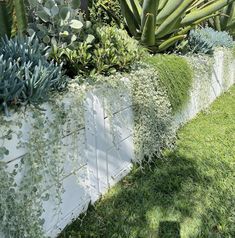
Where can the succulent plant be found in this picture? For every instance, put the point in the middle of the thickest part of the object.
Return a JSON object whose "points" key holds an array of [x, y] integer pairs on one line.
{"points": [[57, 23], [225, 20], [206, 39], [11, 84], [25, 74], [158, 24]]}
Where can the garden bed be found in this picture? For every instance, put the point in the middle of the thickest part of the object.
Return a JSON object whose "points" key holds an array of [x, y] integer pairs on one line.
{"points": [[83, 144]]}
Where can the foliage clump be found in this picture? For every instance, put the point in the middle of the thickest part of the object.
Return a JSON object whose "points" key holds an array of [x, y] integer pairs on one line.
{"points": [[58, 24], [175, 75], [205, 40], [153, 130], [112, 50], [25, 74], [107, 12]]}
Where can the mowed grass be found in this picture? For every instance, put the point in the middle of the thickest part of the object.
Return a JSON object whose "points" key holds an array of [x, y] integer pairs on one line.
{"points": [[190, 193]]}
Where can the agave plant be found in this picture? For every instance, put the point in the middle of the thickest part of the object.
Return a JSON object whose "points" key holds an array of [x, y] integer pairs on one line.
{"points": [[12, 12], [225, 21], [158, 24]]}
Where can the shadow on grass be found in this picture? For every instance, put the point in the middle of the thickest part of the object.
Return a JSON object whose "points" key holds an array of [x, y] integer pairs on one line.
{"points": [[139, 205], [189, 194], [169, 229]]}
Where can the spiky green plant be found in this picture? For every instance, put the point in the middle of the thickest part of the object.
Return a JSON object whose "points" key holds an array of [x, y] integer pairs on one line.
{"points": [[225, 21], [12, 11], [206, 39], [158, 24]]}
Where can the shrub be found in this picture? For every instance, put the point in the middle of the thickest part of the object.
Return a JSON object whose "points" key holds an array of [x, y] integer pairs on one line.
{"points": [[175, 75], [25, 73], [106, 11], [112, 50], [206, 39]]}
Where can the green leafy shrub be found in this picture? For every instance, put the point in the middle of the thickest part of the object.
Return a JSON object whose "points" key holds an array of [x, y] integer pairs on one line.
{"points": [[112, 50], [175, 75], [206, 39], [106, 11], [152, 112], [25, 73]]}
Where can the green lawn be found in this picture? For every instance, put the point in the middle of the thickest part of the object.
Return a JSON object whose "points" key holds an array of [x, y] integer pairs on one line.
{"points": [[190, 193]]}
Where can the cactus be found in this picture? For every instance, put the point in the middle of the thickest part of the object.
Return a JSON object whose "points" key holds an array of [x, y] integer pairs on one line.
{"points": [[6, 18], [7, 10], [158, 24]]}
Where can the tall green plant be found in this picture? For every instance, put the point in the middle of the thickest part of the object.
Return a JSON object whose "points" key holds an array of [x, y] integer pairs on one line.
{"points": [[158, 24], [225, 21], [12, 12]]}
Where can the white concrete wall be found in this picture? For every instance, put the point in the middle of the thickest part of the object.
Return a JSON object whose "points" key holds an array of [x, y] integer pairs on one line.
{"points": [[102, 160], [206, 88]]}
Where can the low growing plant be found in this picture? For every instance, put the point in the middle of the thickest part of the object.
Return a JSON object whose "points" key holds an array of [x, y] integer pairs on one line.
{"points": [[153, 130], [206, 39], [175, 75], [25, 74]]}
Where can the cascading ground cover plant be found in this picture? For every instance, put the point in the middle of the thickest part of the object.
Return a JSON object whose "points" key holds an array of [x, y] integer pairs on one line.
{"points": [[175, 76]]}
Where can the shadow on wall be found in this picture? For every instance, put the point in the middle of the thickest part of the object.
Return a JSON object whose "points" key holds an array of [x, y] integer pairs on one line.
{"points": [[145, 204]]}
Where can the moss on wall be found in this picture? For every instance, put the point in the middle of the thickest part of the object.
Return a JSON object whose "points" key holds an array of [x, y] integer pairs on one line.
{"points": [[176, 77]]}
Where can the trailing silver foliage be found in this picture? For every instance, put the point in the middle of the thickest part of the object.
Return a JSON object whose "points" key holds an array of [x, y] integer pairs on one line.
{"points": [[152, 114]]}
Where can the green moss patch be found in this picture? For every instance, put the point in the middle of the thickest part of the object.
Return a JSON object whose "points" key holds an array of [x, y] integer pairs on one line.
{"points": [[176, 77], [190, 193]]}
